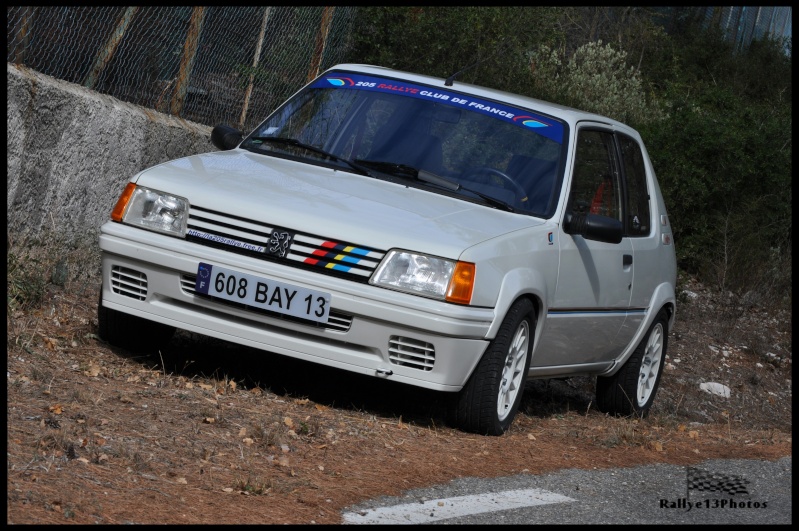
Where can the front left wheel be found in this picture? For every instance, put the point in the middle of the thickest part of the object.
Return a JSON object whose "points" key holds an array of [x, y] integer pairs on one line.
{"points": [[488, 402]]}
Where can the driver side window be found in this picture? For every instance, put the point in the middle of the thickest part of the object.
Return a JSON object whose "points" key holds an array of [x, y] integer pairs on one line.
{"points": [[595, 184]]}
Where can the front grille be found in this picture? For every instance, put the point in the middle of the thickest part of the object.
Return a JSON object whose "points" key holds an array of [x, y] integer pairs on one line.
{"points": [[267, 242], [410, 352], [129, 282], [336, 321]]}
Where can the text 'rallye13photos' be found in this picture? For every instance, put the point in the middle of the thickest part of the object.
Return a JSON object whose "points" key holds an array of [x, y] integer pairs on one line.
{"points": [[446, 236]]}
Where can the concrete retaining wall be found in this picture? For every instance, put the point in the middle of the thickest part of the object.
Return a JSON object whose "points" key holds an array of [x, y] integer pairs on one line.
{"points": [[71, 150]]}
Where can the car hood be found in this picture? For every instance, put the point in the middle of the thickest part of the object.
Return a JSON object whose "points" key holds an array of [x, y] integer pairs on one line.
{"points": [[331, 203]]}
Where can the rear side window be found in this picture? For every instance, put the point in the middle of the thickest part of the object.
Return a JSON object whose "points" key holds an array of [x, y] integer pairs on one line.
{"points": [[638, 213]]}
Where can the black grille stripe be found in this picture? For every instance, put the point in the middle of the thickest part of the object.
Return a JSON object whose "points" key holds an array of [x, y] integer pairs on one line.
{"points": [[242, 236]]}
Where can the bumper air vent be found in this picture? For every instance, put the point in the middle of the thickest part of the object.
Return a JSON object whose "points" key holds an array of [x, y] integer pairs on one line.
{"points": [[129, 282], [411, 353]]}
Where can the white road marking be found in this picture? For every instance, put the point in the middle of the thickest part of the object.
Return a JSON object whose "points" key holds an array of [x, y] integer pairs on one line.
{"points": [[442, 509]]}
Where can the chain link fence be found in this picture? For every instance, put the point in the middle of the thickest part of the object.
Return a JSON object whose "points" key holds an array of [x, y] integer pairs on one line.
{"points": [[210, 65]]}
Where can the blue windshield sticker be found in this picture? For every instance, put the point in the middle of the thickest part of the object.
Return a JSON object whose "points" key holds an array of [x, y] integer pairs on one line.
{"points": [[542, 125]]}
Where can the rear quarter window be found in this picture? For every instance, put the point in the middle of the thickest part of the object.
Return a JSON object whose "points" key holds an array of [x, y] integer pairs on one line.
{"points": [[638, 211]]}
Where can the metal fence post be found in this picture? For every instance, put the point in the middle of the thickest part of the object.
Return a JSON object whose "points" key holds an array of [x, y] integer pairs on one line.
{"points": [[105, 55], [255, 60], [21, 46], [187, 60], [321, 41]]}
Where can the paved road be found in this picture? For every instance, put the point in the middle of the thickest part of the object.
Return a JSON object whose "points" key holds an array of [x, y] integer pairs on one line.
{"points": [[652, 494]]}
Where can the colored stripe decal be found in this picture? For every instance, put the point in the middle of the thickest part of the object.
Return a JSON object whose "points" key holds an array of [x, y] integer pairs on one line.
{"points": [[341, 257], [355, 250], [350, 259]]}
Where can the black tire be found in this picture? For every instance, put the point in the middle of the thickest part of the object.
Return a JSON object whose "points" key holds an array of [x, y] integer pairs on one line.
{"points": [[488, 402], [632, 390], [129, 331]]}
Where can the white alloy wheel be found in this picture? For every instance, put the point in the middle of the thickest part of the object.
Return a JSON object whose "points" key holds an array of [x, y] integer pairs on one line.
{"points": [[650, 365], [513, 371], [488, 402]]}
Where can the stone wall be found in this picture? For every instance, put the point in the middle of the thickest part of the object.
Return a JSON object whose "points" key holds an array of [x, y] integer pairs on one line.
{"points": [[71, 150]]}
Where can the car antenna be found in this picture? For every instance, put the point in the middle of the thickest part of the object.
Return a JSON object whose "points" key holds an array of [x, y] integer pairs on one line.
{"points": [[451, 79]]}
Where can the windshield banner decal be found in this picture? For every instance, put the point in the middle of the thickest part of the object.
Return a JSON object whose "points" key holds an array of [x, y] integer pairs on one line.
{"points": [[542, 125]]}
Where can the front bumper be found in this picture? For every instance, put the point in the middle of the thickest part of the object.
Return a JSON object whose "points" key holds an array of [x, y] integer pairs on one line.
{"points": [[372, 331]]}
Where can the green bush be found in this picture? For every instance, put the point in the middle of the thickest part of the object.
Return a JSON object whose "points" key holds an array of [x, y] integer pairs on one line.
{"points": [[596, 78], [723, 157], [440, 41]]}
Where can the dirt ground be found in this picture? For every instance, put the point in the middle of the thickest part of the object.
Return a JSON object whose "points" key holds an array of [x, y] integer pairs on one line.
{"points": [[209, 432]]}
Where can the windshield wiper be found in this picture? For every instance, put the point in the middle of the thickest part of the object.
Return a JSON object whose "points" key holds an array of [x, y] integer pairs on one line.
{"points": [[487, 198], [403, 170], [309, 147]]}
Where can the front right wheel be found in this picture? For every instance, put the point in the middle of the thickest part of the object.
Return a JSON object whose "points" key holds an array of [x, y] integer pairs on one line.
{"points": [[488, 402], [631, 391]]}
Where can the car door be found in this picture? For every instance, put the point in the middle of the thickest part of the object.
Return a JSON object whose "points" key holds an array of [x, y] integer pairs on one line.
{"points": [[592, 297], [640, 228]]}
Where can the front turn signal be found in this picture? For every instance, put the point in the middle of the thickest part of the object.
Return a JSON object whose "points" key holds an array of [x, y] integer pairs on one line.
{"points": [[461, 284], [119, 210]]}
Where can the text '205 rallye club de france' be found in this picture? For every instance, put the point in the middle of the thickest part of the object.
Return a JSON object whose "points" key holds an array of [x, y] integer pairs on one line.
{"points": [[438, 234]]}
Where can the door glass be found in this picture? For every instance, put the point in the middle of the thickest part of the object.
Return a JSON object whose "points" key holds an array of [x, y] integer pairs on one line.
{"points": [[595, 186]]}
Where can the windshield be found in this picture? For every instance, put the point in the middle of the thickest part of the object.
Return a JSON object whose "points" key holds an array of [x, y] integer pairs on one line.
{"points": [[490, 149]]}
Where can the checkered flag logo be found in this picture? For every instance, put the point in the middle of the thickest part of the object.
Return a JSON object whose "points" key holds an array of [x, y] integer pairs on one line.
{"points": [[703, 480]]}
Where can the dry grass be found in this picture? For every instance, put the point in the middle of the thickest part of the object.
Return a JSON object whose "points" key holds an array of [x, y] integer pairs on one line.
{"points": [[210, 432]]}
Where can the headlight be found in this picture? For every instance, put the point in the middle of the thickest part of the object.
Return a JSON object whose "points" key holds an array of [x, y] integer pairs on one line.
{"points": [[425, 275], [152, 210]]}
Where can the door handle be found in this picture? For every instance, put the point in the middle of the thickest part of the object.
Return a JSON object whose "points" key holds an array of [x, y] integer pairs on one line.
{"points": [[626, 260]]}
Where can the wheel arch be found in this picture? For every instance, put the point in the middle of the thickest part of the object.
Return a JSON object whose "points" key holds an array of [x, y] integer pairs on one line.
{"points": [[500, 316], [663, 299], [517, 284]]}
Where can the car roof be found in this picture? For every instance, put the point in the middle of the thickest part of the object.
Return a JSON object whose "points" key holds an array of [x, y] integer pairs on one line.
{"points": [[567, 114]]}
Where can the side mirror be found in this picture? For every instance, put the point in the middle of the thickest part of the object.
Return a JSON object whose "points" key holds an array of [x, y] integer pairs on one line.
{"points": [[594, 227], [225, 137]]}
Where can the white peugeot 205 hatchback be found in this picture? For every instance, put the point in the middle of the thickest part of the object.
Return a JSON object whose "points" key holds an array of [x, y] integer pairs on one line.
{"points": [[438, 234]]}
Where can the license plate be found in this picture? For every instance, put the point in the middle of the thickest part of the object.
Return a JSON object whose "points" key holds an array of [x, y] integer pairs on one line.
{"points": [[261, 292]]}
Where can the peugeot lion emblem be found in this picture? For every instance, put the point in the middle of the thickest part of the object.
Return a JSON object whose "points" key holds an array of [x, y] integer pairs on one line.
{"points": [[279, 243]]}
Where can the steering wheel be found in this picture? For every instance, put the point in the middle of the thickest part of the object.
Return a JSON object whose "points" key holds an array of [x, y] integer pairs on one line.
{"points": [[521, 194]]}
